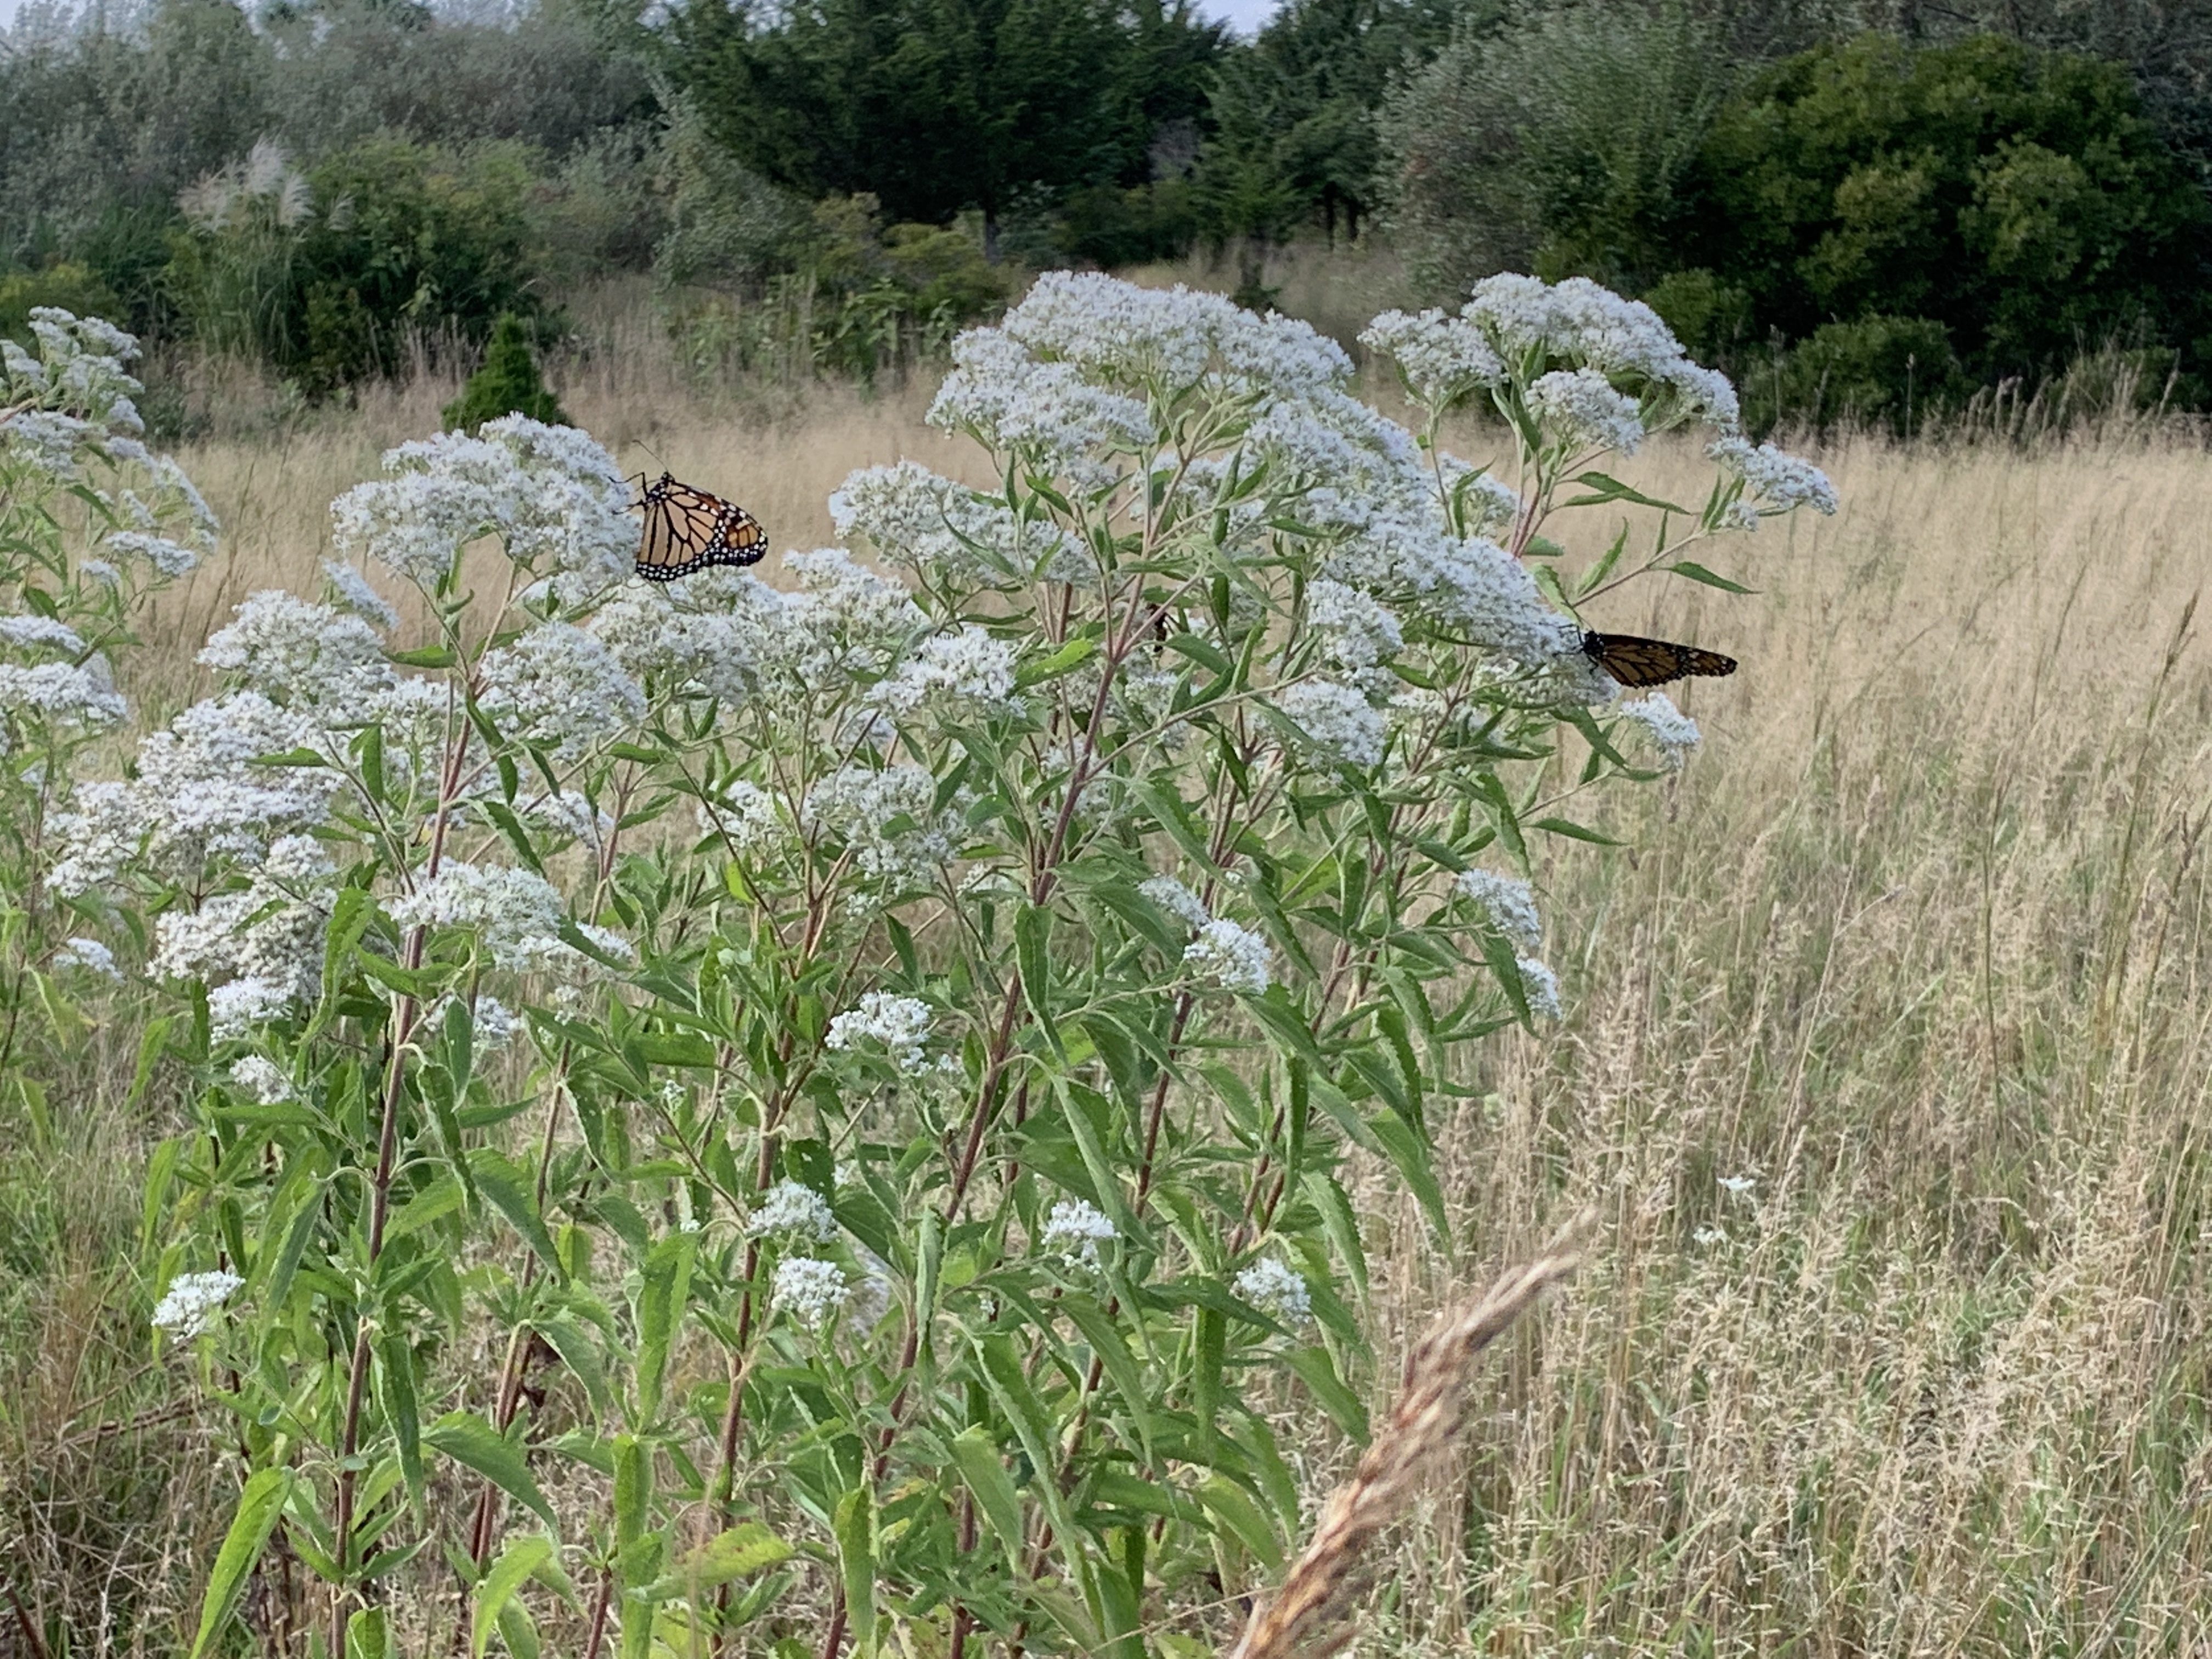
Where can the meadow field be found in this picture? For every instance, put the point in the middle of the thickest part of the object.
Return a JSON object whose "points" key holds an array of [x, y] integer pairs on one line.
{"points": [[1886, 1067]]}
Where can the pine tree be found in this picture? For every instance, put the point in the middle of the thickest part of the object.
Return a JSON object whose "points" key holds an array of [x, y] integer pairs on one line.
{"points": [[508, 384]]}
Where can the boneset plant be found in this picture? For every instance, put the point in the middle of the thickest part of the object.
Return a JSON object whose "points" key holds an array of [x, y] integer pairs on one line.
{"points": [[739, 1118], [91, 524]]}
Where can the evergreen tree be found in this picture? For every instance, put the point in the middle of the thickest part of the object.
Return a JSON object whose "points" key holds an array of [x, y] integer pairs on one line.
{"points": [[508, 384]]}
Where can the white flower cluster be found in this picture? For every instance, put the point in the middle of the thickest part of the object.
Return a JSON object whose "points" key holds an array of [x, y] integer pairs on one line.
{"points": [[69, 694], [1340, 726], [198, 796], [1541, 987], [189, 1306], [75, 394], [1177, 900], [1583, 411], [1675, 732], [352, 592], [263, 1079], [1472, 588], [1779, 481], [745, 816], [559, 688], [914, 517], [551, 494], [1444, 358], [888, 818], [1356, 629], [301, 653], [1277, 1291], [517, 914], [90, 955], [900, 1024], [1509, 903], [1522, 326], [265, 940], [969, 670], [1231, 956], [810, 1290], [793, 1209], [1074, 1230]]}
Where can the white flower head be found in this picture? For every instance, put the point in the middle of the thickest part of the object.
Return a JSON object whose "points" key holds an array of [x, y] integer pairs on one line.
{"points": [[1357, 631], [237, 1008], [888, 817], [900, 1024], [352, 592], [516, 913], [1230, 957], [1777, 481], [1675, 732], [261, 1078], [1509, 903], [793, 1209], [90, 955], [189, 1305], [1340, 726], [1074, 1230], [810, 1290], [970, 669], [1540, 987], [1277, 1291], [1579, 409], [1444, 358], [562, 689], [1177, 900], [289, 648], [745, 816]]}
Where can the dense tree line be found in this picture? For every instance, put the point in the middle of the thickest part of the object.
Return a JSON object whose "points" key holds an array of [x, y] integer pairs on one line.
{"points": [[1856, 204]]}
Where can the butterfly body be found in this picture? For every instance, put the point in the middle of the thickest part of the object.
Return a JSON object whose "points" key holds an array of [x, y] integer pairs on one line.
{"points": [[688, 529], [1634, 661]]}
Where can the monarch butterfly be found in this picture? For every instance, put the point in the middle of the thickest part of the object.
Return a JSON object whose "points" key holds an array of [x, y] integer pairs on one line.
{"points": [[1634, 661], [687, 530]]}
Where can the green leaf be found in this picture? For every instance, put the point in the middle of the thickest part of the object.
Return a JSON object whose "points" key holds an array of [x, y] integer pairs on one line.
{"points": [[665, 1287], [1410, 1154], [1574, 831], [468, 1439], [1113, 1351], [516, 1563], [1318, 1371], [1604, 488], [995, 1494], [1231, 1506], [428, 656], [1698, 573], [1032, 931], [856, 1566], [1212, 1339], [368, 1632], [259, 1503], [1070, 657], [396, 1376], [738, 1553], [511, 1190]]}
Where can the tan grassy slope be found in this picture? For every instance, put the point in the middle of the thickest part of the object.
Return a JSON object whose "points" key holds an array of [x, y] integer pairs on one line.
{"points": [[1916, 948]]}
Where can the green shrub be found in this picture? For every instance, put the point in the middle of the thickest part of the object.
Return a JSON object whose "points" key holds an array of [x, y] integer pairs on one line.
{"points": [[341, 272], [1893, 372], [508, 384], [73, 288]]}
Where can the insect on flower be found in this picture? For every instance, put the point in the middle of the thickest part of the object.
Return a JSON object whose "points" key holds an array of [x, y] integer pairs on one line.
{"points": [[688, 529], [1635, 661]]}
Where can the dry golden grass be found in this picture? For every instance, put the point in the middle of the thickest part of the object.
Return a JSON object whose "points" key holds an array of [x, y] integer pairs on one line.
{"points": [[1918, 946]]}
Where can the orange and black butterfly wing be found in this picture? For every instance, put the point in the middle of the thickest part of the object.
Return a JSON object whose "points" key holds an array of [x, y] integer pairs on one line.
{"points": [[1638, 662], [688, 529]]}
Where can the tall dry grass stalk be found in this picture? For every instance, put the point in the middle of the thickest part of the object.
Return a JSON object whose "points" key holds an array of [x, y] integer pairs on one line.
{"points": [[1887, 1068], [1309, 1617]]}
